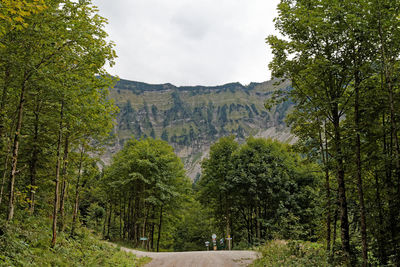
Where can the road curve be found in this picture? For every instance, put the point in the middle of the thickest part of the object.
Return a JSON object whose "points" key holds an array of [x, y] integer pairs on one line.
{"points": [[231, 258]]}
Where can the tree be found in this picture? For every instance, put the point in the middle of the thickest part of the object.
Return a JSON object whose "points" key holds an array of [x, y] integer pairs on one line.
{"points": [[154, 185], [268, 193], [215, 183], [336, 55]]}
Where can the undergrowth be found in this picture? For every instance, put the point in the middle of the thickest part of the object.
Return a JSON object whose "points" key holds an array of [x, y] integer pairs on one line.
{"points": [[291, 253], [27, 243]]}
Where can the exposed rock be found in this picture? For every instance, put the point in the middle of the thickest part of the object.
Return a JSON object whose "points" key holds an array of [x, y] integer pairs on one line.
{"points": [[191, 118]]}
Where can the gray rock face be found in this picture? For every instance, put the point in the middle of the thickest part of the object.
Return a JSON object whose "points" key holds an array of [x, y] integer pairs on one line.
{"points": [[191, 118]]}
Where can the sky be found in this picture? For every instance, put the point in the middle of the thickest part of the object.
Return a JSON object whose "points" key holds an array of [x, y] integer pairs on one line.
{"points": [[190, 42]]}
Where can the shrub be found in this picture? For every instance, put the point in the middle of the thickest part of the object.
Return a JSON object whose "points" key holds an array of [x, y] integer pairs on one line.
{"points": [[292, 253], [27, 243]]}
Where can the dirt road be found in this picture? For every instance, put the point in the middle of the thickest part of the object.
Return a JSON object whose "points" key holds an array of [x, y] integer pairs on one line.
{"points": [[197, 258]]}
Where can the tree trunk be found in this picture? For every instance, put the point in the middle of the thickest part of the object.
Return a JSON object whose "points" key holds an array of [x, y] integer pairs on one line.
{"points": [[3, 180], [77, 187], [58, 165], [335, 217], [159, 228], [2, 130], [325, 156], [125, 220], [390, 188], [64, 182], [381, 233], [128, 225], [34, 158], [4, 100], [227, 216], [145, 225], [258, 233], [105, 222], [120, 216], [152, 237], [344, 221], [15, 151], [109, 221], [359, 170]]}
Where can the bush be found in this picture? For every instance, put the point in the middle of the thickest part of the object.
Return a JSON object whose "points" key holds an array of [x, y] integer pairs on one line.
{"points": [[292, 253], [27, 243]]}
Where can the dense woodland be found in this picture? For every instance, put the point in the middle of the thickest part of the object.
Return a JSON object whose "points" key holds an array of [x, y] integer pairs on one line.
{"points": [[55, 115], [259, 191], [342, 58], [339, 185]]}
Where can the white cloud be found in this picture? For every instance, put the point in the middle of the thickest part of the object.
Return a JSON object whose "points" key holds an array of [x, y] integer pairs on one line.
{"points": [[187, 42]]}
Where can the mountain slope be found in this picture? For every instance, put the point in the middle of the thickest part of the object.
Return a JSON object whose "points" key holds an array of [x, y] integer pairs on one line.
{"points": [[191, 118]]}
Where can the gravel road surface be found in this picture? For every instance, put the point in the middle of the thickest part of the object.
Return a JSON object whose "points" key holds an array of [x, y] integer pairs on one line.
{"points": [[197, 258]]}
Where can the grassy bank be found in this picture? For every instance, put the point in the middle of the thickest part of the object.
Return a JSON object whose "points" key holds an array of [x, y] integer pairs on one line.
{"points": [[291, 253], [27, 243]]}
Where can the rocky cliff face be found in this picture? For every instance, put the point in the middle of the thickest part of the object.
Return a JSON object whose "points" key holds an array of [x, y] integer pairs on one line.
{"points": [[191, 118]]}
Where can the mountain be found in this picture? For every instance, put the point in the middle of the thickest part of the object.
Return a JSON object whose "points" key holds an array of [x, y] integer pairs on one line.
{"points": [[191, 118]]}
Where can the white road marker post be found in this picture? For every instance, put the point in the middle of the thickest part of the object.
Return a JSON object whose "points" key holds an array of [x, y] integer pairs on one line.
{"points": [[207, 245], [229, 238], [214, 239]]}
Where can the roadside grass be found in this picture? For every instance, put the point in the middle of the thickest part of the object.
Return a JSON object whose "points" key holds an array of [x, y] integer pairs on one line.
{"points": [[291, 253], [129, 244], [27, 243]]}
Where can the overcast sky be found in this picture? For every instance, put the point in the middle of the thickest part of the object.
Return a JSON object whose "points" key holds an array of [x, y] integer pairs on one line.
{"points": [[190, 42]]}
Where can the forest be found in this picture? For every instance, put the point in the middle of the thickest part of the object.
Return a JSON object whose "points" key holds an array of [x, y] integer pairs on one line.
{"points": [[330, 199], [342, 60]]}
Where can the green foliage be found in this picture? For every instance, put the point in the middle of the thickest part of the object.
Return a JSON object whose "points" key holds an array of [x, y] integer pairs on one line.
{"points": [[144, 187], [264, 186], [342, 58], [291, 253], [194, 228], [55, 112], [26, 243]]}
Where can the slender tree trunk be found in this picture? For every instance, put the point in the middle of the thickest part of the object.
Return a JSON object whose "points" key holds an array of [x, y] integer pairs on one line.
{"points": [[252, 225], [4, 100], [227, 216], [335, 218], [390, 186], [120, 216], [128, 225], [3, 180], [325, 154], [14, 150], [34, 158], [134, 229], [159, 228], [249, 227], [145, 225], [344, 221], [64, 183], [125, 221], [105, 223], [109, 220], [2, 130], [152, 236], [258, 233], [381, 234], [359, 171], [77, 187], [57, 180]]}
